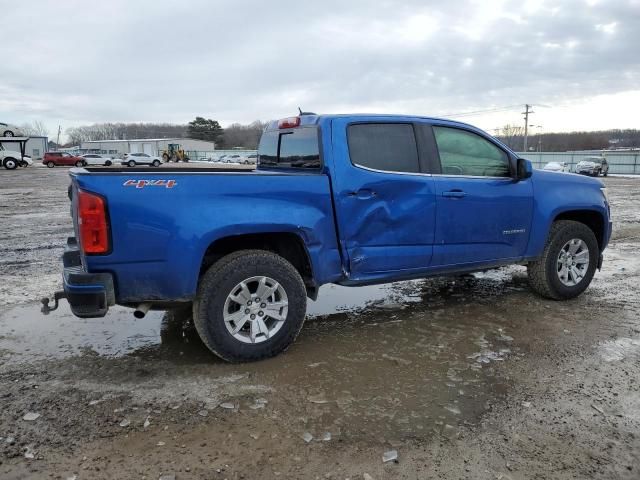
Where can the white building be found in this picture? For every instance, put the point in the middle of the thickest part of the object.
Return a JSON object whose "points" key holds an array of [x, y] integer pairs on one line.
{"points": [[35, 146], [152, 146]]}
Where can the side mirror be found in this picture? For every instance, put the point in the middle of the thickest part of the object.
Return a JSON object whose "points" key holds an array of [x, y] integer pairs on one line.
{"points": [[524, 169]]}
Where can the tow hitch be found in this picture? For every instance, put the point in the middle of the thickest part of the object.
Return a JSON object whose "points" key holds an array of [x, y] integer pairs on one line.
{"points": [[56, 299]]}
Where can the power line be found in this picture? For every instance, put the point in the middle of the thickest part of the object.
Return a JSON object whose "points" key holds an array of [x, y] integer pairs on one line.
{"points": [[480, 112]]}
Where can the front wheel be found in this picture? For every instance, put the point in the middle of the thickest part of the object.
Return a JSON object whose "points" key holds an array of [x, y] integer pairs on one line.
{"points": [[50, 164], [79, 163], [8, 133], [10, 163], [250, 306], [131, 163], [568, 262]]}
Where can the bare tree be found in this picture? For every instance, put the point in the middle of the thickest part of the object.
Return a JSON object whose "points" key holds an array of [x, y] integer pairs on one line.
{"points": [[247, 136], [35, 128], [512, 136]]}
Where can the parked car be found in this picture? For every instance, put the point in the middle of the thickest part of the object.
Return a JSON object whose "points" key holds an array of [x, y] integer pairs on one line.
{"points": [[557, 167], [62, 159], [386, 198], [593, 166], [8, 130], [96, 159], [250, 159], [230, 159], [11, 159], [133, 159]]}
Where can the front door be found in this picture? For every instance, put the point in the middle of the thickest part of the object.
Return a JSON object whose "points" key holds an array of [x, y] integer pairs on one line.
{"points": [[385, 203], [483, 214]]}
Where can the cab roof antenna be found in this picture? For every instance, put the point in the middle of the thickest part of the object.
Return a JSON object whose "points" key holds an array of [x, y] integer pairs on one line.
{"points": [[305, 113]]}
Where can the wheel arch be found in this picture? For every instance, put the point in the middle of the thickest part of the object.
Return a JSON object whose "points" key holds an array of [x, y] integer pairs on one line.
{"points": [[288, 245], [591, 218]]}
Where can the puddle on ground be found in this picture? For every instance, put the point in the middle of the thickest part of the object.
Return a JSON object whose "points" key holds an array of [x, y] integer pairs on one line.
{"points": [[26, 334], [619, 349], [395, 362]]}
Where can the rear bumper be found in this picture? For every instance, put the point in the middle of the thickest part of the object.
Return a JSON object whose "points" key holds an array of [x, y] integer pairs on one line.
{"points": [[89, 294]]}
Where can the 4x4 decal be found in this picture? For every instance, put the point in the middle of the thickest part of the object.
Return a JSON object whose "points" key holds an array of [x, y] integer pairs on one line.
{"points": [[150, 183]]}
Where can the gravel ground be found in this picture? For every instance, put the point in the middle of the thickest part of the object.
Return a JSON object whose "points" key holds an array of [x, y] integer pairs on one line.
{"points": [[469, 378]]}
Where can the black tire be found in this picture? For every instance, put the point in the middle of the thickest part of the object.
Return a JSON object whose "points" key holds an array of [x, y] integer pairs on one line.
{"points": [[156, 163], [131, 163], [543, 273], [10, 163], [218, 282], [50, 164], [108, 163], [79, 163], [7, 133]]}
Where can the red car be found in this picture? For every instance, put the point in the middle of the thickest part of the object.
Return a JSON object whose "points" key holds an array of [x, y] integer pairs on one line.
{"points": [[62, 159]]}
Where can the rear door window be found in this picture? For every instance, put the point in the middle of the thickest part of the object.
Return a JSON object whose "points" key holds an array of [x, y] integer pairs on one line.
{"points": [[388, 147], [295, 148]]}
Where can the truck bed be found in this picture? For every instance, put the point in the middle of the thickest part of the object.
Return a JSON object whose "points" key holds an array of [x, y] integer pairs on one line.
{"points": [[163, 220]]}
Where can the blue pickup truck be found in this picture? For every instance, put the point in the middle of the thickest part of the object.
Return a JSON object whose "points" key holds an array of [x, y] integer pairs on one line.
{"points": [[345, 199]]}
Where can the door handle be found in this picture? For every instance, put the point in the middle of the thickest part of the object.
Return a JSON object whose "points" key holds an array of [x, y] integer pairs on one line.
{"points": [[363, 194], [454, 194]]}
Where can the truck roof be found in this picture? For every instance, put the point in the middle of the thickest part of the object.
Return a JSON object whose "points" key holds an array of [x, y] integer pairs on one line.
{"points": [[313, 119]]}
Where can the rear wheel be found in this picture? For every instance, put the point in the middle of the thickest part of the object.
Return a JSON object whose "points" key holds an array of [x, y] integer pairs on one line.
{"points": [[156, 163], [79, 163], [50, 164], [108, 163], [10, 163], [250, 306], [568, 262], [8, 133]]}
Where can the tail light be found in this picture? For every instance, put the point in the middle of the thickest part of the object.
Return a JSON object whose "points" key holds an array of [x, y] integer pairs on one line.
{"points": [[290, 122], [92, 223]]}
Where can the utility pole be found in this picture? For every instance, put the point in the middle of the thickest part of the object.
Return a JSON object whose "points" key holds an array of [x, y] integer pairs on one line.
{"points": [[526, 114], [58, 140]]}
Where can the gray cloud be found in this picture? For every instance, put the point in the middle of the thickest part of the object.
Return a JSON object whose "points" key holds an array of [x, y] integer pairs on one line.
{"points": [[78, 61]]}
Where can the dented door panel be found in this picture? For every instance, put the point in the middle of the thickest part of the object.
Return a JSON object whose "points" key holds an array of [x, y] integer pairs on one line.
{"points": [[386, 220]]}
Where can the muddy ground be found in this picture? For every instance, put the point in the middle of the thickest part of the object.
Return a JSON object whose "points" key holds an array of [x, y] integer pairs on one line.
{"points": [[466, 378]]}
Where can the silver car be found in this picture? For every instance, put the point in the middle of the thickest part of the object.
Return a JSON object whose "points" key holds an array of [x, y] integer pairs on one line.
{"points": [[7, 130], [557, 167], [593, 166], [95, 159]]}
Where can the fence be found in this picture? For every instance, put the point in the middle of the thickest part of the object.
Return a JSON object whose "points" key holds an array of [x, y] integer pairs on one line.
{"points": [[200, 155], [619, 162]]}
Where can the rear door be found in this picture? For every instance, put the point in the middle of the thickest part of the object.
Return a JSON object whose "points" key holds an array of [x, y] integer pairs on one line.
{"points": [[483, 214], [385, 203]]}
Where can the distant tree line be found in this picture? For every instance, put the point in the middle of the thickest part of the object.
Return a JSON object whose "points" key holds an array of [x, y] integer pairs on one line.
{"points": [[247, 136], [513, 136], [235, 135], [124, 131]]}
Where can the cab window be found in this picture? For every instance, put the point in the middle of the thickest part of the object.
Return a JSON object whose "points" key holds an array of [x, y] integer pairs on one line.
{"points": [[468, 154], [389, 147]]}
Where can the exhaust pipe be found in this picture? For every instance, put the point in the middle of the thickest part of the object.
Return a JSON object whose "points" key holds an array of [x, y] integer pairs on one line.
{"points": [[141, 310]]}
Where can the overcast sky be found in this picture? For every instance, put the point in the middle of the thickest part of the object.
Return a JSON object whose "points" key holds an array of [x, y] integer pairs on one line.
{"points": [[74, 62]]}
